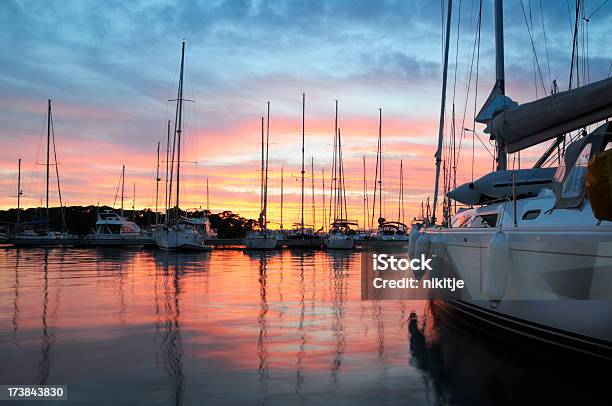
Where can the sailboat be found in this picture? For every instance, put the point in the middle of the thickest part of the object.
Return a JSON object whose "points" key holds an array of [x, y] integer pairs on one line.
{"points": [[178, 232], [341, 233], [114, 230], [535, 257], [302, 235], [390, 233], [263, 239], [39, 233]]}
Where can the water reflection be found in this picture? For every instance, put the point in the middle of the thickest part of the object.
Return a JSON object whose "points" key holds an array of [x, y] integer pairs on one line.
{"points": [[48, 337], [229, 327], [459, 367]]}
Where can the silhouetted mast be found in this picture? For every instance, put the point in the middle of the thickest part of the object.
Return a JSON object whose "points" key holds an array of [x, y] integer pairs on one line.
{"points": [[314, 227], [166, 197], [303, 120], [265, 207], [442, 109], [282, 197], [179, 129], [19, 192], [48, 149], [122, 187], [157, 180]]}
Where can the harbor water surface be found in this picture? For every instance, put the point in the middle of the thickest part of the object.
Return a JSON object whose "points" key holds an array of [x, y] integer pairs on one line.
{"points": [[231, 327]]}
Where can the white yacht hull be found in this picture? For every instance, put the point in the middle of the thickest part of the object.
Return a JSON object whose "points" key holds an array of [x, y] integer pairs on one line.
{"points": [[559, 282], [179, 239], [260, 243], [339, 243]]}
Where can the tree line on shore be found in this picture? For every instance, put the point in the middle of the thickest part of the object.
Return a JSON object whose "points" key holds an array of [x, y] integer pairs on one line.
{"points": [[81, 220]]}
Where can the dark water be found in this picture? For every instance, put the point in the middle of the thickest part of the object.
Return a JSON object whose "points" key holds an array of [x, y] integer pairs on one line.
{"points": [[227, 327]]}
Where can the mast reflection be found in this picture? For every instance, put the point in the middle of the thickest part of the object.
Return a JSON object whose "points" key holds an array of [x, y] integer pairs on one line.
{"points": [[262, 351], [48, 337], [15, 318], [170, 341]]}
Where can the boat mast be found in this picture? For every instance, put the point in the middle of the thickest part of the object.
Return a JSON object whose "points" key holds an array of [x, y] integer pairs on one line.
{"points": [[500, 82], [282, 197], [134, 204], [400, 209], [378, 173], [365, 209], [157, 180], [261, 179], [19, 192], [332, 185], [303, 118], [314, 221], [442, 109], [265, 210], [179, 129], [207, 197], [166, 197], [323, 194], [48, 149], [380, 165], [122, 187]]}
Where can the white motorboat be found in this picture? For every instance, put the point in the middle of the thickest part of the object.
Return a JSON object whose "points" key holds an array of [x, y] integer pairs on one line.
{"points": [[114, 230]]}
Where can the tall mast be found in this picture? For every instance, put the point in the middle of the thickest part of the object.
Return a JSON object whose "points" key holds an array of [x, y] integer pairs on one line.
{"points": [[261, 178], [282, 197], [400, 209], [266, 179], [442, 109], [207, 197], [157, 180], [333, 183], [314, 216], [48, 148], [122, 187], [380, 163], [19, 193], [499, 74], [323, 194], [166, 197], [365, 209], [179, 129], [134, 203], [303, 119]]}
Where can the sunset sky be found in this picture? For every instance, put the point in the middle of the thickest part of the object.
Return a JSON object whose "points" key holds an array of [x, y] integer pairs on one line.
{"points": [[111, 66]]}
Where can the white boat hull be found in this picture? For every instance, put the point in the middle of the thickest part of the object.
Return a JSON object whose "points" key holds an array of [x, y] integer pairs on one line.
{"points": [[179, 239], [339, 243], [260, 243], [559, 281]]}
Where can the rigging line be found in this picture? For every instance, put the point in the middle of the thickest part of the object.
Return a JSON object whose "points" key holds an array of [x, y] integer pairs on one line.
{"points": [[575, 50], [469, 81], [476, 85], [59, 190], [535, 72], [597, 9], [533, 47], [117, 192], [545, 43]]}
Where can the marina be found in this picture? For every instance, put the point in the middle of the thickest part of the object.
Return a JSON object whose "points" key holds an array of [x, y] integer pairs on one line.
{"points": [[241, 203]]}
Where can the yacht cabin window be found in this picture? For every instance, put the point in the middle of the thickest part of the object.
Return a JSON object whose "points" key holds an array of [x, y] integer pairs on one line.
{"points": [[574, 184], [484, 220]]}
